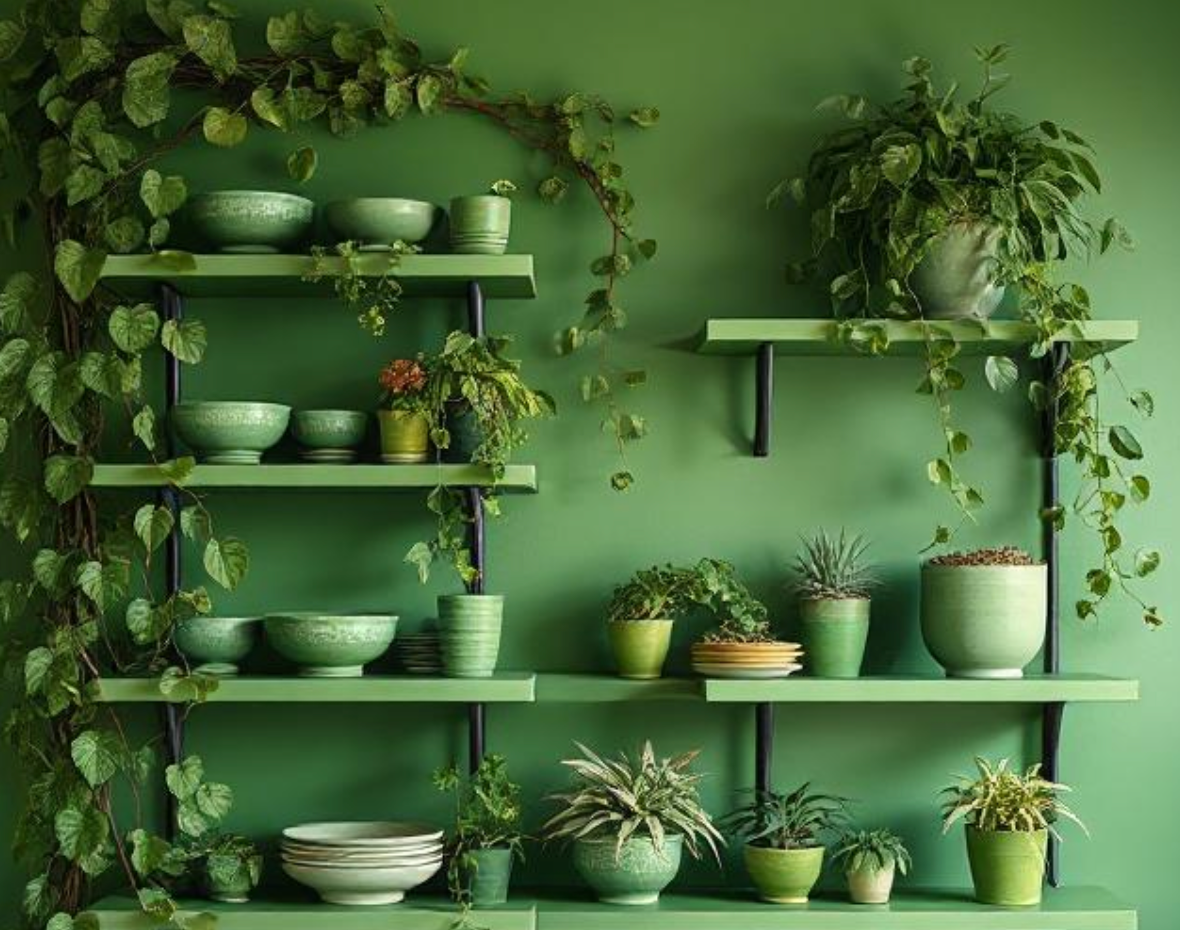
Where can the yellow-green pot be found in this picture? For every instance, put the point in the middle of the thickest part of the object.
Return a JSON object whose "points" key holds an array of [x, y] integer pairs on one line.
{"points": [[640, 646], [405, 437], [784, 876], [1007, 867]]}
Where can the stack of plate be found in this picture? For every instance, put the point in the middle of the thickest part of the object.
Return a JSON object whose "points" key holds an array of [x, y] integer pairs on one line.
{"points": [[746, 660], [362, 863], [420, 653]]}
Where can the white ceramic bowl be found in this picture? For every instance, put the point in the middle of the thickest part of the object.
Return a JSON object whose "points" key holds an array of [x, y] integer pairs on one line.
{"points": [[377, 834], [389, 863], [342, 853], [361, 886]]}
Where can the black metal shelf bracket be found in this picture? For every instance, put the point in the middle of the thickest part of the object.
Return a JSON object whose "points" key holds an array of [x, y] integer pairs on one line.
{"points": [[476, 713], [763, 398], [763, 746]]}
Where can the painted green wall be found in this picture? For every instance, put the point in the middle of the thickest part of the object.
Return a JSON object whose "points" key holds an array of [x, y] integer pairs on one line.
{"points": [[736, 85]]}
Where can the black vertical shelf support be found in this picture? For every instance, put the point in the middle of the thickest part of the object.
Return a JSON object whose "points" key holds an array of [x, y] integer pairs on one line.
{"points": [[476, 713], [763, 746], [763, 399]]}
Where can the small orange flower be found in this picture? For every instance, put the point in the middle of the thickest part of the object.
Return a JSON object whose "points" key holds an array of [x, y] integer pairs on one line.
{"points": [[403, 376]]}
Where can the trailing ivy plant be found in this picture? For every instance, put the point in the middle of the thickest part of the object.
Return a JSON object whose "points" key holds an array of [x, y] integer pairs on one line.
{"points": [[884, 189]]}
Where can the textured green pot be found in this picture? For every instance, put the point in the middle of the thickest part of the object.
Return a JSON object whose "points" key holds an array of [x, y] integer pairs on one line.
{"points": [[329, 429], [328, 645], [234, 891], [405, 437], [834, 633], [984, 621], [250, 221], [378, 222], [637, 876], [469, 633], [870, 886], [1007, 867], [218, 644], [230, 432], [954, 279], [463, 426], [640, 646], [784, 876], [490, 876], [480, 224]]}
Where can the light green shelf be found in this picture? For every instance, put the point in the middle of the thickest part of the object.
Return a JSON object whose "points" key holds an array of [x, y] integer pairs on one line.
{"points": [[607, 689], [818, 337], [516, 477], [499, 276], [1032, 689]]}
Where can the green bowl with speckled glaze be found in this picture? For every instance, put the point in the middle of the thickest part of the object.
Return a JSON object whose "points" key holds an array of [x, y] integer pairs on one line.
{"points": [[326, 645], [216, 644], [375, 223], [227, 432], [634, 874], [251, 221], [329, 429]]}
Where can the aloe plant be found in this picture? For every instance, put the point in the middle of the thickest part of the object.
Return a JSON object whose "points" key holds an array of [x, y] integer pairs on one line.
{"points": [[833, 567]]}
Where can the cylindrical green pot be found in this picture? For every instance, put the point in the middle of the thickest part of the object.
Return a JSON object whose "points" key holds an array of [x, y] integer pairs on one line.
{"points": [[870, 886], [955, 279], [480, 224], [640, 646], [463, 427], [784, 876], [469, 633], [1007, 867], [489, 876], [235, 890], [984, 621], [405, 437], [636, 876], [834, 632]]}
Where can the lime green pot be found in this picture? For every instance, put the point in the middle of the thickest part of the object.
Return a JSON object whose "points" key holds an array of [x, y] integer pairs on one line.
{"points": [[469, 633], [834, 632], [405, 437], [480, 224], [784, 876], [636, 875], [640, 646], [984, 621], [489, 876], [1007, 867]]}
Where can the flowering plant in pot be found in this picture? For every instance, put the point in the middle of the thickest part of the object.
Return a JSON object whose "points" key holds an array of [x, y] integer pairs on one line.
{"points": [[405, 426], [641, 614], [1009, 818], [629, 819], [870, 859], [833, 582], [784, 851]]}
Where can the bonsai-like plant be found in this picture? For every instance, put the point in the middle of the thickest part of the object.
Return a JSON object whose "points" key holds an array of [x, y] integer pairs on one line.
{"points": [[999, 799], [872, 851], [787, 821], [833, 568], [740, 617], [657, 593], [403, 385], [1001, 555]]}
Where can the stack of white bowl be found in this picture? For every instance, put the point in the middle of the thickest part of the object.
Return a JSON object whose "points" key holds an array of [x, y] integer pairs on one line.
{"points": [[362, 862]]}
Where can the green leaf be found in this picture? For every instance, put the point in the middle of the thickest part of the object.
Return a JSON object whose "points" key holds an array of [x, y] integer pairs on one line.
{"points": [[180, 686], [124, 234], [1140, 488], [428, 90], [899, 163], [84, 183], [645, 117], [134, 328], [177, 471], [263, 102], [12, 37], [37, 665], [96, 755], [183, 779], [552, 189], [67, 475], [79, 56], [50, 570], [1124, 443], [622, 480], [146, 623], [195, 524], [153, 525], [302, 163], [102, 374], [1143, 402], [224, 128], [145, 88], [1146, 562], [143, 425], [55, 160], [1001, 372], [284, 34], [397, 99], [81, 834], [226, 561], [211, 40], [185, 339], [16, 301], [77, 268], [214, 800], [176, 260], [162, 195], [103, 584]]}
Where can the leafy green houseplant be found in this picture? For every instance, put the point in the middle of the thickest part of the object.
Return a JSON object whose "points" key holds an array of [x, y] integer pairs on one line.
{"points": [[364, 282], [403, 416], [869, 859], [1009, 817], [784, 834], [931, 206], [629, 818], [834, 581], [740, 617], [640, 617]]}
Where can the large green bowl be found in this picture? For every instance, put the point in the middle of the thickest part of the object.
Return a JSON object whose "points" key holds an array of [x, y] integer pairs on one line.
{"points": [[329, 429], [330, 645], [218, 644], [377, 222], [225, 432], [251, 221]]}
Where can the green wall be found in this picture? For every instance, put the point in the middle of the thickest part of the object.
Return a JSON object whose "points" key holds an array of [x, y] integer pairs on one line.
{"points": [[735, 84]]}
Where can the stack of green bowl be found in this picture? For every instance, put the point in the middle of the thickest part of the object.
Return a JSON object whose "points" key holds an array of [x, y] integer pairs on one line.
{"points": [[469, 628]]}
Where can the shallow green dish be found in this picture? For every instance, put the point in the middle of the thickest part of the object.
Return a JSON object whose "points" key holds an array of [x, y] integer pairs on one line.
{"points": [[330, 645], [377, 222], [218, 644], [251, 221], [225, 432], [329, 429]]}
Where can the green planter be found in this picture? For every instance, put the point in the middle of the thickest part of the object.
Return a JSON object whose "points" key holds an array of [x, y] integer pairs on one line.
{"points": [[984, 621], [637, 876], [640, 646], [1007, 867], [405, 437], [480, 224], [469, 633], [954, 280], [490, 876], [784, 876], [834, 633], [466, 436], [232, 890]]}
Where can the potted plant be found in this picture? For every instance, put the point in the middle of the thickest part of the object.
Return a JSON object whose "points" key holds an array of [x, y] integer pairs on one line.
{"points": [[784, 853], [983, 612], [231, 868], [405, 426], [469, 628], [870, 859], [480, 223], [833, 582], [487, 835], [1008, 818], [640, 618], [629, 820]]}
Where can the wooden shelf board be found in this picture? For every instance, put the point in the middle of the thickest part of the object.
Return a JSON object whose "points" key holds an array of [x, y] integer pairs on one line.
{"points": [[516, 478], [500, 276], [818, 336], [1035, 689], [596, 689]]}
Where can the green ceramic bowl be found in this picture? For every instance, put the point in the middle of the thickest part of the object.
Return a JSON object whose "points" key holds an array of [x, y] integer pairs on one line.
{"points": [[329, 429], [251, 221], [217, 644], [327, 645], [377, 222], [225, 432]]}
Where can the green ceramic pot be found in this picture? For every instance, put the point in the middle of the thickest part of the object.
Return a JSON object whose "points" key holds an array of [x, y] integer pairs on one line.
{"points": [[469, 633], [480, 224], [640, 646], [636, 876], [405, 437], [235, 890], [230, 432], [490, 876], [834, 633], [1007, 867], [329, 429], [466, 435], [784, 876], [984, 621], [217, 644], [329, 645], [954, 279], [377, 222], [870, 886], [250, 221]]}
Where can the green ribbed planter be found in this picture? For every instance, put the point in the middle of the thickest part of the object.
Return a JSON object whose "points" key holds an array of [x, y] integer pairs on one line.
{"points": [[1007, 867], [784, 876], [480, 224], [637, 876], [834, 633], [469, 633], [640, 646], [490, 876], [405, 437]]}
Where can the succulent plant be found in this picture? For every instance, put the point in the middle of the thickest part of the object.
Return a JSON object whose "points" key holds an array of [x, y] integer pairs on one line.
{"points": [[833, 568]]}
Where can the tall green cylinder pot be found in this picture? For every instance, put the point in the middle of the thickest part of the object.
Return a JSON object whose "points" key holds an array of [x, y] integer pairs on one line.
{"points": [[1007, 868], [490, 876], [984, 621], [784, 876], [640, 646], [469, 633], [405, 437], [466, 435], [636, 876], [834, 632]]}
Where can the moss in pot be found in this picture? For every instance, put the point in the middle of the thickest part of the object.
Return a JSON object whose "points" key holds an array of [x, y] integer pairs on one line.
{"points": [[833, 581]]}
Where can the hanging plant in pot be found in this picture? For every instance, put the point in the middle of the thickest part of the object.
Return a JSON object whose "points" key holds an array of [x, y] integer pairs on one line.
{"points": [[929, 208], [870, 859], [640, 617], [833, 583], [403, 417]]}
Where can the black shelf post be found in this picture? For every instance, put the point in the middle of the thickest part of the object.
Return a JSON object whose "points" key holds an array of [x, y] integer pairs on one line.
{"points": [[763, 399], [763, 746], [476, 713]]}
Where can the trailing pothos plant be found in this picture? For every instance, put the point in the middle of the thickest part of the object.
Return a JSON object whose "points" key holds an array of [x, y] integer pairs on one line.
{"points": [[883, 190]]}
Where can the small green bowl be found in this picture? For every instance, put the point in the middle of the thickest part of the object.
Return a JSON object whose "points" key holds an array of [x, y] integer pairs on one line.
{"points": [[329, 429], [330, 645], [217, 644], [377, 222], [228, 432], [251, 221]]}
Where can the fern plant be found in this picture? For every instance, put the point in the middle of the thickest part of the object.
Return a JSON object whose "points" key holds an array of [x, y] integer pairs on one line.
{"points": [[872, 851], [788, 821], [833, 568], [1000, 799]]}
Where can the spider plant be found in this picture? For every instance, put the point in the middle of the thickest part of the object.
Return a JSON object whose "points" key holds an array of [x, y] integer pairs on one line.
{"points": [[787, 821], [833, 568], [872, 851], [999, 799]]}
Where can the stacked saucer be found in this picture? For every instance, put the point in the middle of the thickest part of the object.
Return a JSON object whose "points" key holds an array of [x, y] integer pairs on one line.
{"points": [[420, 653], [746, 660], [362, 862]]}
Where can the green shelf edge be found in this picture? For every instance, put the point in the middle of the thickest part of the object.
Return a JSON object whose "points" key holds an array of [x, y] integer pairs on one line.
{"points": [[572, 688], [817, 336], [499, 276], [359, 476]]}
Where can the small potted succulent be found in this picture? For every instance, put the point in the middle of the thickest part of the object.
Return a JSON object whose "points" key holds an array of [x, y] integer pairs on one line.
{"points": [[983, 612], [629, 819], [640, 618], [870, 858], [833, 581], [487, 835], [480, 223], [784, 852], [1008, 818], [405, 426]]}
